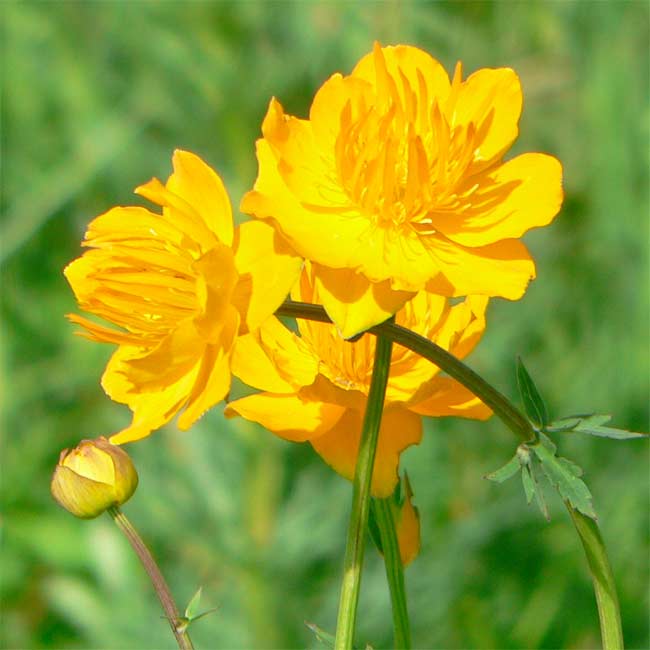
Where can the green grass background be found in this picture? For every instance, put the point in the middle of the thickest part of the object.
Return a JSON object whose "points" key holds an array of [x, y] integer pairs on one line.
{"points": [[95, 96]]}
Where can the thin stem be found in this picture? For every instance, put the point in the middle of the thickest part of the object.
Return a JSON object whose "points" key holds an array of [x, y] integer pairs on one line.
{"points": [[509, 414], [603, 579], [157, 579], [394, 572], [361, 497]]}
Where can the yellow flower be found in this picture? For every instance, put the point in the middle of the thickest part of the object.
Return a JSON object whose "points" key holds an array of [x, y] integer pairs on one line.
{"points": [[396, 184], [182, 287], [92, 477], [316, 385]]}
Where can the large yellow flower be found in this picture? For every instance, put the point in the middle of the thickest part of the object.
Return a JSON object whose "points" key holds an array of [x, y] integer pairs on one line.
{"points": [[316, 384], [396, 184], [182, 287]]}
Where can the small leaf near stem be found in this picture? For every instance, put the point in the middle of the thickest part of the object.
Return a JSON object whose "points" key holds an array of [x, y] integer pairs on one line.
{"points": [[156, 577], [530, 396], [361, 497]]}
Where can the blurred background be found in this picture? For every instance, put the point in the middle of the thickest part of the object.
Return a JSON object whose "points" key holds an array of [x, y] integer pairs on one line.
{"points": [[95, 96]]}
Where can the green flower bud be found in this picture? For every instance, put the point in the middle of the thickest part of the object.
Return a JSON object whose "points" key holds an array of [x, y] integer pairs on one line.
{"points": [[92, 477]]}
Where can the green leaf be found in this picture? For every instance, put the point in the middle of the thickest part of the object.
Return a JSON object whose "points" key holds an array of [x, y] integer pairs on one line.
{"points": [[321, 635], [564, 476], [507, 471], [609, 432], [192, 608], [592, 425], [529, 483], [532, 400]]}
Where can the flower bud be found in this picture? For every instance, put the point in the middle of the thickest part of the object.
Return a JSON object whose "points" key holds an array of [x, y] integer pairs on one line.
{"points": [[92, 477]]}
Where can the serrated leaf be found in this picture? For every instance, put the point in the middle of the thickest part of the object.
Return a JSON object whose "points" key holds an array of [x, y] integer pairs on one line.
{"points": [[507, 471], [563, 477], [532, 400], [191, 611], [324, 637]]}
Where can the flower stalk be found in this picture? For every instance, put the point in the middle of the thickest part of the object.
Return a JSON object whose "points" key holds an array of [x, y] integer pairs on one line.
{"points": [[509, 414], [355, 545], [394, 572], [179, 627]]}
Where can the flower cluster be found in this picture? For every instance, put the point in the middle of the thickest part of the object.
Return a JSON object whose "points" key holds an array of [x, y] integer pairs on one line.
{"points": [[392, 198]]}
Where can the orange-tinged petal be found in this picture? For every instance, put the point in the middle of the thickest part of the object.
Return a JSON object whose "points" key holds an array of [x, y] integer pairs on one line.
{"points": [[420, 70], [268, 267], [166, 364], [151, 409], [353, 302], [407, 526], [252, 365], [202, 188], [339, 447], [492, 100], [523, 193], [447, 397], [500, 269], [327, 236], [288, 416], [180, 212], [213, 377]]}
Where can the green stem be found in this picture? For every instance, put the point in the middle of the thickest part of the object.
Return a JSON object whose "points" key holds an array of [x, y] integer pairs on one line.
{"points": [[394, 572], [603, 579], [361, 497], [162, 590], [509, 414]]}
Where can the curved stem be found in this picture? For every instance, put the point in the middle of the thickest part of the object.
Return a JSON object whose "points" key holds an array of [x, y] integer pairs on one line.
{"points": [[587, 529], [157, 579], [394, 572], [361, 497], [500, 404], [603, 579]]}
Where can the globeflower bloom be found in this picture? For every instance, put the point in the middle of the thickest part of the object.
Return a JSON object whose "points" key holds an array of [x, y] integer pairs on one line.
{"points": [[315, 386], [92, 477], [397, 184], [181, 287]]}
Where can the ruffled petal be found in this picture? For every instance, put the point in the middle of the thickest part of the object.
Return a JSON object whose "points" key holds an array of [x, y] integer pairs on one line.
{"points": [[491, 99], [339, 447], [202, 188], [502, 269], [339, 232], [288, 416], [523, 193], [151, 409], [213, 378], [268, 267], [353, 302], [447, 397]]}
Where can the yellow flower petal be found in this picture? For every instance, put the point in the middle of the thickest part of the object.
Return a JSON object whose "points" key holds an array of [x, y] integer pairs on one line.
{"points": [[268, 268], [523, 193], [339, 447], [447, 397], [199, 186], [353, 302], [491, 99], [288, 416], [502, 269], [151, 409]]}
